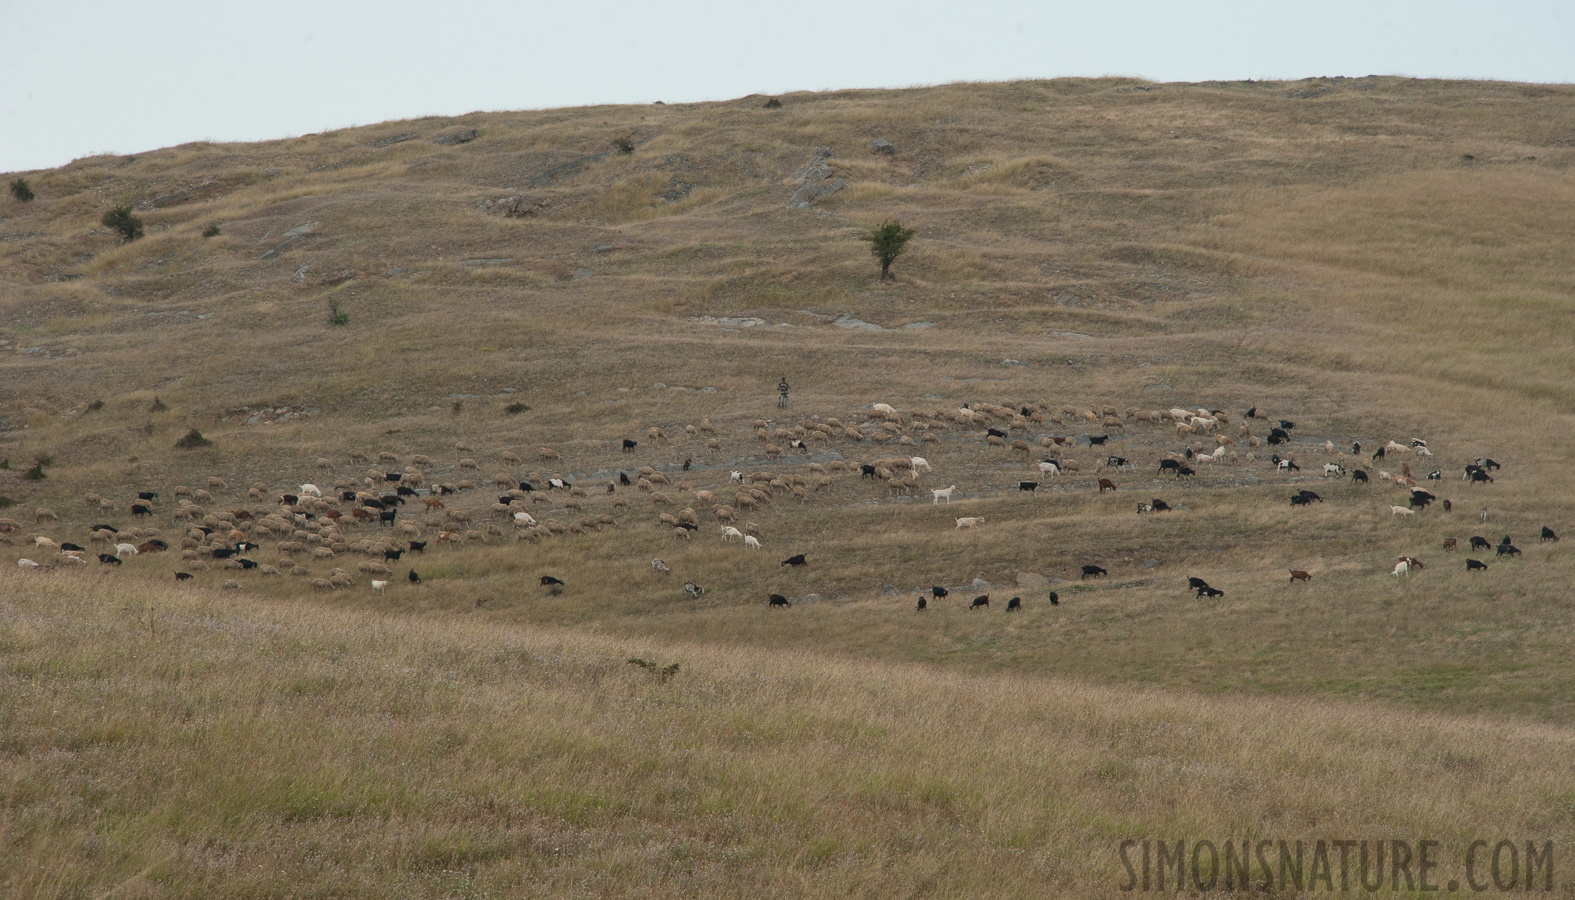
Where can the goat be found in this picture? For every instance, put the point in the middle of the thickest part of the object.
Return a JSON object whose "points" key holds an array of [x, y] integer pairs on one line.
{"points": [[980, 602], [1358, 475], [1401, 511], [1480, 543], [1299, 575], [1333, 469], [1115, 462], [418, 546], [1286, 465], [1507, 549], [1450, 544], [1185, 472], [779, 600], [1106, 484], [549, 581], [693, 590], [1049, 467], [1092, 571], [970, 521], [751, 542], [1401, 568], [794, 561], [729, 533], [942, 493], [182, 576], [1548, 535], [1196, 584], [1014, 604], [379, 585], [1484, 463], [1473, 565], [921, 606], [629, 445], [414, 578], [939, 592], [920, 462], [1030, 486], [109, 559], [1436, 475], [1207, 591]]}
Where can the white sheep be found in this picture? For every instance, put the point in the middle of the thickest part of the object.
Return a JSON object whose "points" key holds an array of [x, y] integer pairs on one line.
{"points": [[524, 519], [729, 533], [884, 409], [28, 564], [1393, 447], [970, 521], [920, 462], [1422, 450], [310, 490], [751, 542], [1401, 511], [123, 549], [939, 493]]}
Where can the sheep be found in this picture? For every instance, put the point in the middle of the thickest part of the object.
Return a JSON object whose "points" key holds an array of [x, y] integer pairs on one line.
{"points": [[28, 564], [942, 493], [751, 542], [970, 521], [43, 513], [1401, 511]]}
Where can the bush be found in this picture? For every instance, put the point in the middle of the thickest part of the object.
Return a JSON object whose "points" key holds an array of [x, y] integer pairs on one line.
{"points": [[157, 405], [211, 231], [6, 501], [773, 103], [120, 219], [336, 313], [515, 408], [192, 441], [36, 473], [624, 145], [887, 241], [21, 190], [95, 406]]}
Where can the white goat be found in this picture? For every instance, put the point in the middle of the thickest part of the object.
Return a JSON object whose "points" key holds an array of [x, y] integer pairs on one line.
{"points": [[920, 462], [970, 521], [524, 520], [938, 493], [751, 542], [729, 533], [123, 549], [1049, 468], [310, 490], [1401, 511], [1401, 568], [736, 478], [28, 564], [379, 585]]}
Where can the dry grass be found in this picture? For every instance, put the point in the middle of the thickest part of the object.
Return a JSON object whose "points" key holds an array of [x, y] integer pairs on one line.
{"points": [[189, 744], [1331, 258]]}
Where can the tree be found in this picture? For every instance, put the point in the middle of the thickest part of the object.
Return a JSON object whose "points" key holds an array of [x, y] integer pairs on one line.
{"points": [[121, 220], [887, 241], [21, 190]]}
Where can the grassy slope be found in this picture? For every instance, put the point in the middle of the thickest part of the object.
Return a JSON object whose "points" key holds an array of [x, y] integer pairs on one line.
{"points": [[1335, 259]]}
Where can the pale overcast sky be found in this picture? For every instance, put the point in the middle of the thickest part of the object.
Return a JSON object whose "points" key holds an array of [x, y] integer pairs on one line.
{"points": [[79, 78]]}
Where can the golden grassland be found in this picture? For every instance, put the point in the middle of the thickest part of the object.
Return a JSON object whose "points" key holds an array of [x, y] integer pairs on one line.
{"points": [[180, 743], [1376, 259]]}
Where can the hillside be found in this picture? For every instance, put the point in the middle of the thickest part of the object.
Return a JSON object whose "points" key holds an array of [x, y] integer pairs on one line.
{"points": [[1374, 260]]}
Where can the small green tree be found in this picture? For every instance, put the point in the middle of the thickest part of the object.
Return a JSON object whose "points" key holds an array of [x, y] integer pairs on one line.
{"points": [[120, 219], [887, 241], [336, 312], [21, 190], [193, 440]]}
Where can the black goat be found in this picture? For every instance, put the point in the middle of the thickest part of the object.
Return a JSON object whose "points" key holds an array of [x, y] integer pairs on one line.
{"points": [[980, 602], [779, 600], [797, 560], [623, 479], [1209, 592], [1055, 599], [1016, 603], [1031, 486], [1507, 550], [1547, 534], [939, 592], [1115, 462], [629, 445], [1159, 505], [551, 581], [392, 555], [182, 576], [418, 546], [414, 578], [1473, 565], [1196, 584], [1480, 543], [921, 605], [109, 559], [1359, 475], [1094, 571], [141, 509], [1098, 440], [1168, 464]]}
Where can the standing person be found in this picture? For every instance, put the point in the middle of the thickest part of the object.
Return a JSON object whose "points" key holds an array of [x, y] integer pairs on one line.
{"points": [[783, 389]]}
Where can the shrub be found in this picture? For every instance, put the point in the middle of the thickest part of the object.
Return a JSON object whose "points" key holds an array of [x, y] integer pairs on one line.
{"points": [[515, 408], [36, 473], [95, 406], [157, 405], [336, 313], [192, 441], [120, 219], [887, 241], [773, 103], [21, 190], [455, 408], [211, 231], [624, 145], [6, 501]]}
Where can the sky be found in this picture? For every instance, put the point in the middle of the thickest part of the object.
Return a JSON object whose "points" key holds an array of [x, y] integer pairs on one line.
{"points": [[83, 77]]}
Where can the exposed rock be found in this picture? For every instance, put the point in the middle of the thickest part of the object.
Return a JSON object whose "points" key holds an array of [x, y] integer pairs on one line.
{"points": [[487, 261], [805, 197], [300, 271], [395, 139], [392, 271], [461, 136], [511, 207], [881, 145]]}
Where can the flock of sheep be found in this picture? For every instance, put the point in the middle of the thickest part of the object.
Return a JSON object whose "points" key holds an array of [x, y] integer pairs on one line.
{"points": [[382, 514]]}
